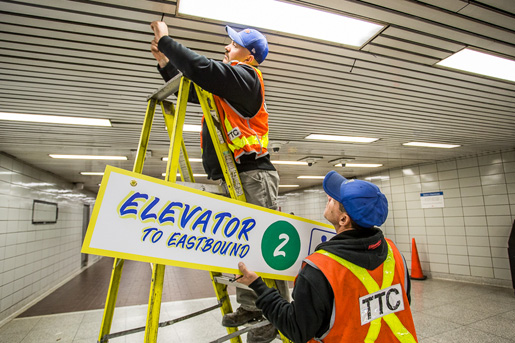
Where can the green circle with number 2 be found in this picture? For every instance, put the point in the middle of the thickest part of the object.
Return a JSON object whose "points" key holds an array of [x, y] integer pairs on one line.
{"points": [[280, 245]]}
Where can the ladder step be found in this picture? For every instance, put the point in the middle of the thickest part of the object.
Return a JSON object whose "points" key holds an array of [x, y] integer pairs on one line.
{"points": [[242, 331], [169, 88], [206, 187], [226, 280]]}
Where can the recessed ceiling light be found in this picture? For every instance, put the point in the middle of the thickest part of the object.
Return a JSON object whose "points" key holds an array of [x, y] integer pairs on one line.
{"points": [[195, 175], [89, 157], [382, 178], [432, 145], [296, 163], [288, 186], [481, 63], [310, 177], [191, 159], [342, 138], [360, 165], [285, 17], [192, 128], [38, 118], [92, 173]]}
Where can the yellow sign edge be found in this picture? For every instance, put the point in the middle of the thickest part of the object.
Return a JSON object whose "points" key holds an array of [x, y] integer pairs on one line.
{"points": [[101, 193]]}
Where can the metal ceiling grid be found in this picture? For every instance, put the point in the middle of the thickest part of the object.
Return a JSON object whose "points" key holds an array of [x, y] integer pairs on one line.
{"points": [[91, 59]]}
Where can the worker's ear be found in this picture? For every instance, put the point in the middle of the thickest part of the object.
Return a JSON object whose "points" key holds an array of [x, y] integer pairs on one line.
{"points": [[250, 59], [345, 220]]}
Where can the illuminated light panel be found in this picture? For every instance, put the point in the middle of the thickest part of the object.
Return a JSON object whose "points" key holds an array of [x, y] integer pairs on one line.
{"points": [[39, 118], [432, 145], [195, 175], [360, 165], [191, 128], [288, 186], [341, 138], [89, 157], [92, 173], [165, 159], [295, 163], [481, 63], [382, 178], [310, 177], [300, 20]]}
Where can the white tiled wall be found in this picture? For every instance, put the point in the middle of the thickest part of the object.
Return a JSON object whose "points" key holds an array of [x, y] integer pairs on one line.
{"points": [[468, 238], [34, 258]]}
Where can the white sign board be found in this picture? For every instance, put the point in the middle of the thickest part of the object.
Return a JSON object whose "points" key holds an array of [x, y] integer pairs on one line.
{"points": [[141, 218], [431, 200]]}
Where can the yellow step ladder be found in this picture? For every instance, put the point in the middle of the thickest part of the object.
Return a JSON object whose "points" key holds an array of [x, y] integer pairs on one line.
{"points": [[174, 116]]}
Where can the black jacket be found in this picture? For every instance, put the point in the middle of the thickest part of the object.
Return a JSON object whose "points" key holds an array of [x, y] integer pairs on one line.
{"points": [[309, 314], [238, 84]]}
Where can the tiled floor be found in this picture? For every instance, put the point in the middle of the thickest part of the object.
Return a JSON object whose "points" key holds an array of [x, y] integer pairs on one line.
{"points": [[87, 291], [444, 311]]}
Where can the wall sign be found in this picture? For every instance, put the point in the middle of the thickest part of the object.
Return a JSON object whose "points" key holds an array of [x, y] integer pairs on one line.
{"points": [[141, 218], [431, 200], [44, 212]]}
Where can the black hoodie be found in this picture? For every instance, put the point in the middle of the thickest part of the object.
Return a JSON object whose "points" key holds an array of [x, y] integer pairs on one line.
{"points": [[239, 85], [309, 314]]}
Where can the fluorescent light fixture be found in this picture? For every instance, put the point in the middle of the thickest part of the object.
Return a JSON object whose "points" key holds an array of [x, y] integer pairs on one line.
{"points": [[341, 138], [192, 128], [92, 173], [38, 118], [295, 163], [192, 159], [481, 63], [288, 186], [381, 178], [432, 145], [310, 177], [89, 157], [195, 175], [360, 165], [285, 17]]}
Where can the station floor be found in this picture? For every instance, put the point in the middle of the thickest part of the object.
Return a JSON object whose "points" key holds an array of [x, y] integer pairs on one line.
{"points": [[444, 311]]}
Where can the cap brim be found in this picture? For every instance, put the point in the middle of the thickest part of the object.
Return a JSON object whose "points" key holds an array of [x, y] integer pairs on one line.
{"points": [[235, 36], [332, 183]]}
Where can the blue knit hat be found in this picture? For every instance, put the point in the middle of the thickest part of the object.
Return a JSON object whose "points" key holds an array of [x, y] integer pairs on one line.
{"points": [[252, 40], [362, 200]]}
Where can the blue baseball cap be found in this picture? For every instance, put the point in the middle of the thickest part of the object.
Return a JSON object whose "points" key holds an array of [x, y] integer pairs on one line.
{"points": [[252, 40], [362, 200]]}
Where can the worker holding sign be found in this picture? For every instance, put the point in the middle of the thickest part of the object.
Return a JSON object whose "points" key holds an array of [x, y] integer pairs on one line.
{"points": [[355, 286], [238, 90]]}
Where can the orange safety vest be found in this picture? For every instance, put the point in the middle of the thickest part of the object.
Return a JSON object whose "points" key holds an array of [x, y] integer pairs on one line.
{"points": [[369, 305], [245, 135]]}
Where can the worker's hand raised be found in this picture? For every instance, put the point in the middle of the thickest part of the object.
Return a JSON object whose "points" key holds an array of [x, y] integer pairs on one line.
{"points": [[248, 276], [160, 29], [158, 55]]}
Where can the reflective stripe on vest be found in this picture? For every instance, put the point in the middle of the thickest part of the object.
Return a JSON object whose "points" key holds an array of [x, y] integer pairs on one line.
{"points": [[245, 135], [398, 329]]}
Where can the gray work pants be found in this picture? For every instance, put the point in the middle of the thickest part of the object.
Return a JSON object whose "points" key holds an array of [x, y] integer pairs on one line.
{"points": [[261, 188]]}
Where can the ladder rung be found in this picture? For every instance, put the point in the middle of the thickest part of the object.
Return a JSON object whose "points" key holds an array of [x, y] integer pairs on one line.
{"points": [[241, 332], [163, 324], [169, 88], [206, 187], [225, 280]]}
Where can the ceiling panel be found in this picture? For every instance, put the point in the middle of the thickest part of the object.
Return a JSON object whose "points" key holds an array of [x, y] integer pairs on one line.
{"points": [[92, 59]]}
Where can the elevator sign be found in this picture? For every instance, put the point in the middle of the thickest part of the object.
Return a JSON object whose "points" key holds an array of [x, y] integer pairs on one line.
{"points": [[140, 218], [431, 200]]}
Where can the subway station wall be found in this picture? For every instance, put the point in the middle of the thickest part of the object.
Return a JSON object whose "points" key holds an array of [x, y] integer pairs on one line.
{"points": [[35, 258], [467, 239]]}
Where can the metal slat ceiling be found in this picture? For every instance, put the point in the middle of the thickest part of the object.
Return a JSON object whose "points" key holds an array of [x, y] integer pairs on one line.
{"points": [[92, 59]]}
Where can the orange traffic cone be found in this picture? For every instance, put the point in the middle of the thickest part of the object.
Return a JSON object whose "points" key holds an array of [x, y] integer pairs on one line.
{"points": [[416, 269]]}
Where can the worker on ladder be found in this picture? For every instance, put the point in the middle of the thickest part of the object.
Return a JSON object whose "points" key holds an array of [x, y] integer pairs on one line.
{"points": [[238, 89]]}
